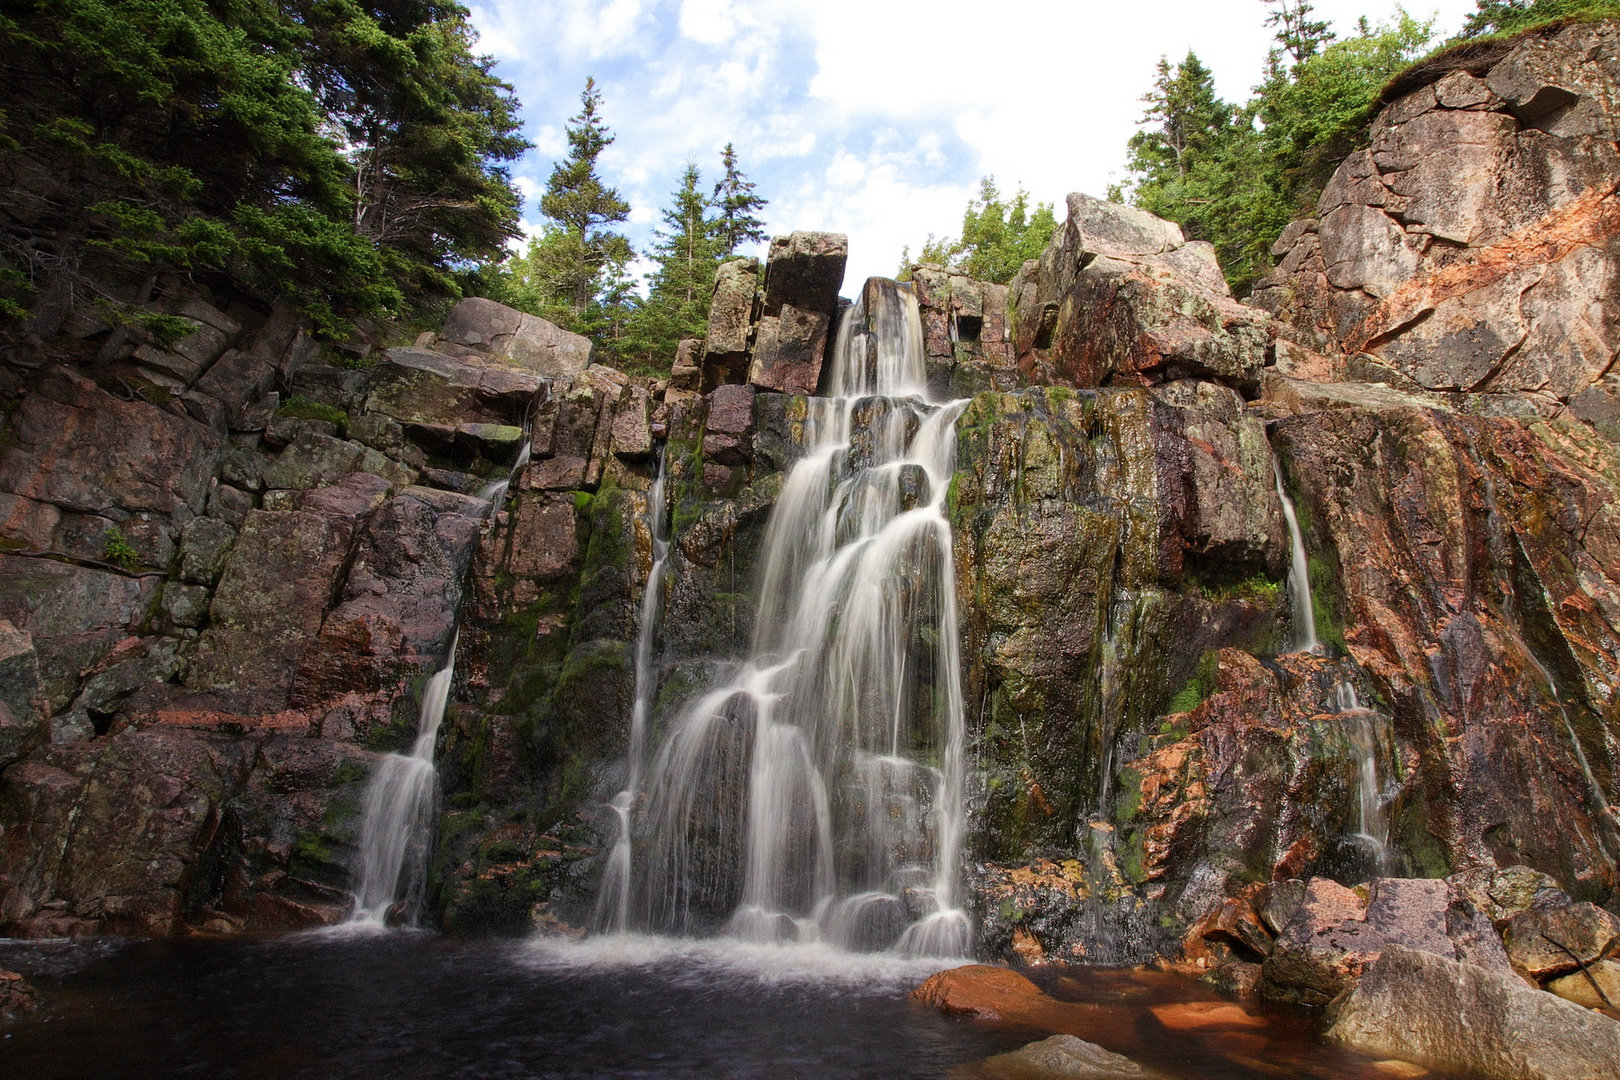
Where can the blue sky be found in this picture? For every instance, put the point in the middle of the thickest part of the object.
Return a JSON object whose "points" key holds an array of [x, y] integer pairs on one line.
{"points": [[869, 117]]}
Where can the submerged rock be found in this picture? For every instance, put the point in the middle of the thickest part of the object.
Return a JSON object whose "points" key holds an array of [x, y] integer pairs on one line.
{"points": [[1458, 1017], [1063, 1057]]}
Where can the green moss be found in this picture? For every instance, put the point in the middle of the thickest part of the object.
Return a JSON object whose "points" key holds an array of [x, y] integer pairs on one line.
{"points": [[1256, 587], [582, 501], [301, 408], [1199, 687], [349, 772]]}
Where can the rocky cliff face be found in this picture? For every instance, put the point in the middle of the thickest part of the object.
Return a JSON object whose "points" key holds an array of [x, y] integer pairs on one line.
{"points": [[191, 706]]}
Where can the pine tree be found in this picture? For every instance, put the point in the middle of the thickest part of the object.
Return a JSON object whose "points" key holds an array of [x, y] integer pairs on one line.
{"points": [[1191, 119], [577, 248], [735, 199], [1300, 36], [688, 249]]}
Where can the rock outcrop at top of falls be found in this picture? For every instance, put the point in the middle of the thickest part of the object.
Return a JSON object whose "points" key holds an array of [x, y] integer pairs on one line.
{"points": [[230, 566]]}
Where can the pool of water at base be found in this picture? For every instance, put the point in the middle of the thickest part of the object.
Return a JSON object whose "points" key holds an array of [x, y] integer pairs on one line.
{"points": [[402, 1005]]}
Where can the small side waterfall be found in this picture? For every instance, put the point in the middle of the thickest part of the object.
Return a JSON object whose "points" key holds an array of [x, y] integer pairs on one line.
{"points": [[818, 794], [1373, 830], [1299, 572], [613, 902], [398, 811]]}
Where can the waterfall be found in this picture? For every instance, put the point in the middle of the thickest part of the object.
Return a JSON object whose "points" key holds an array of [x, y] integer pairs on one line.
{"points": [[495, 491], [613, 902], [397, 813], [1299, 574], [817, 795], [1373, 830]]}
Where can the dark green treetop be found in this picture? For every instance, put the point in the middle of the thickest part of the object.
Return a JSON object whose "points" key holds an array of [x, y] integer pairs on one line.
{"points": [[738, 222]]}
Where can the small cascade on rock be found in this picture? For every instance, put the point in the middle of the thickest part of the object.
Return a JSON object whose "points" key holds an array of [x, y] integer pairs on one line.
{"points": [[818, 794], [397, 816], [613, 902], [1372, 833], [494, 492], [1299, 572]]}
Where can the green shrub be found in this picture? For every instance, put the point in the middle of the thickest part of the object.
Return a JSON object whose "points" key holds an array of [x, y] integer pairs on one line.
{"points": [[118, 551]]}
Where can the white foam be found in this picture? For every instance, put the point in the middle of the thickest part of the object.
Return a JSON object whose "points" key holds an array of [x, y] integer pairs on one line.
{"points": [[695, 963]]}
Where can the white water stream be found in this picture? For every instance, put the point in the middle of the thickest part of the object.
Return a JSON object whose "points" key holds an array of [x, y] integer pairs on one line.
{"points": [[399, 808], [1299, 572], [1373, 826], [817, 794], [613, 902], [397, 813]]}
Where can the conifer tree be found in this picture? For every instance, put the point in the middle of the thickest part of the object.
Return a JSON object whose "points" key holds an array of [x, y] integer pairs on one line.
{"points": [[1300, 36], [734, 197], [689, 247], [1190, 120], [573, 252]]}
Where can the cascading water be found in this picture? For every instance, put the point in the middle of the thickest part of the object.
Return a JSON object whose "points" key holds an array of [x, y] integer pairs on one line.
{"points": [[1373, 831], [613, 903], [398, 810], [397, 813], [818, 794], [1299, 572]]}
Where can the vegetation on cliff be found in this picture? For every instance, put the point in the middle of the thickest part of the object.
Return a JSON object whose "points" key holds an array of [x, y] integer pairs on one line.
{"points": [[997, 236], [576, 272], [1236, 175], [349, 159]]}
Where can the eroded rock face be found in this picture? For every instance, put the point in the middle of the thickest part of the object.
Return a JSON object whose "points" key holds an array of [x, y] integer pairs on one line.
{"points": [[526, 341], [1451, 1016], [1119, 297], [1473, 246]]}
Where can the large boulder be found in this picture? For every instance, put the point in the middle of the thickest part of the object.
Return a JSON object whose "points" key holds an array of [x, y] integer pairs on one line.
{"points": [[281, 577], [800, 304], [399, 602], [23, 708], [74, 449], [527, 341], [1121, 297], [1474, 246], [1333, 937], [422, 386], [1457, 1017], [1062, 1057], [731, 314]]}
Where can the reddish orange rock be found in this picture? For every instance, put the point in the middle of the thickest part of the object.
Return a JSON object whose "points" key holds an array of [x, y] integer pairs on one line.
{"points": [[1193, 1015], [979, 991]]}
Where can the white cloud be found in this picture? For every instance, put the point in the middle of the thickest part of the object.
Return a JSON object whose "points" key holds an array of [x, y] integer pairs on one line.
{"points": [[875, 117]]}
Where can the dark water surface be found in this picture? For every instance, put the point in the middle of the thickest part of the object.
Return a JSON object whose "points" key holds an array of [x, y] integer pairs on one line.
{"points": [[399, 1006]]}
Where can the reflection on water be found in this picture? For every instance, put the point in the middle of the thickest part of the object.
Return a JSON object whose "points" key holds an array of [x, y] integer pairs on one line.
{"points": [[406, 1005]]}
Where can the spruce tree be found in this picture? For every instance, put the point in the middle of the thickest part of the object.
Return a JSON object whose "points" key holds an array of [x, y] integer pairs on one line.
{"points": [[997, 237], [689, 247], [1301, 36], [576, 250], [734, 197]]}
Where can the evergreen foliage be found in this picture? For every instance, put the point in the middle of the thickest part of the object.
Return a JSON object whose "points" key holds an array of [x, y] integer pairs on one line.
{"points": [[1513, 16], [998, 235], [313, 151], [737, 223], [1236, 176], [688, 249], [576, 271]]}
